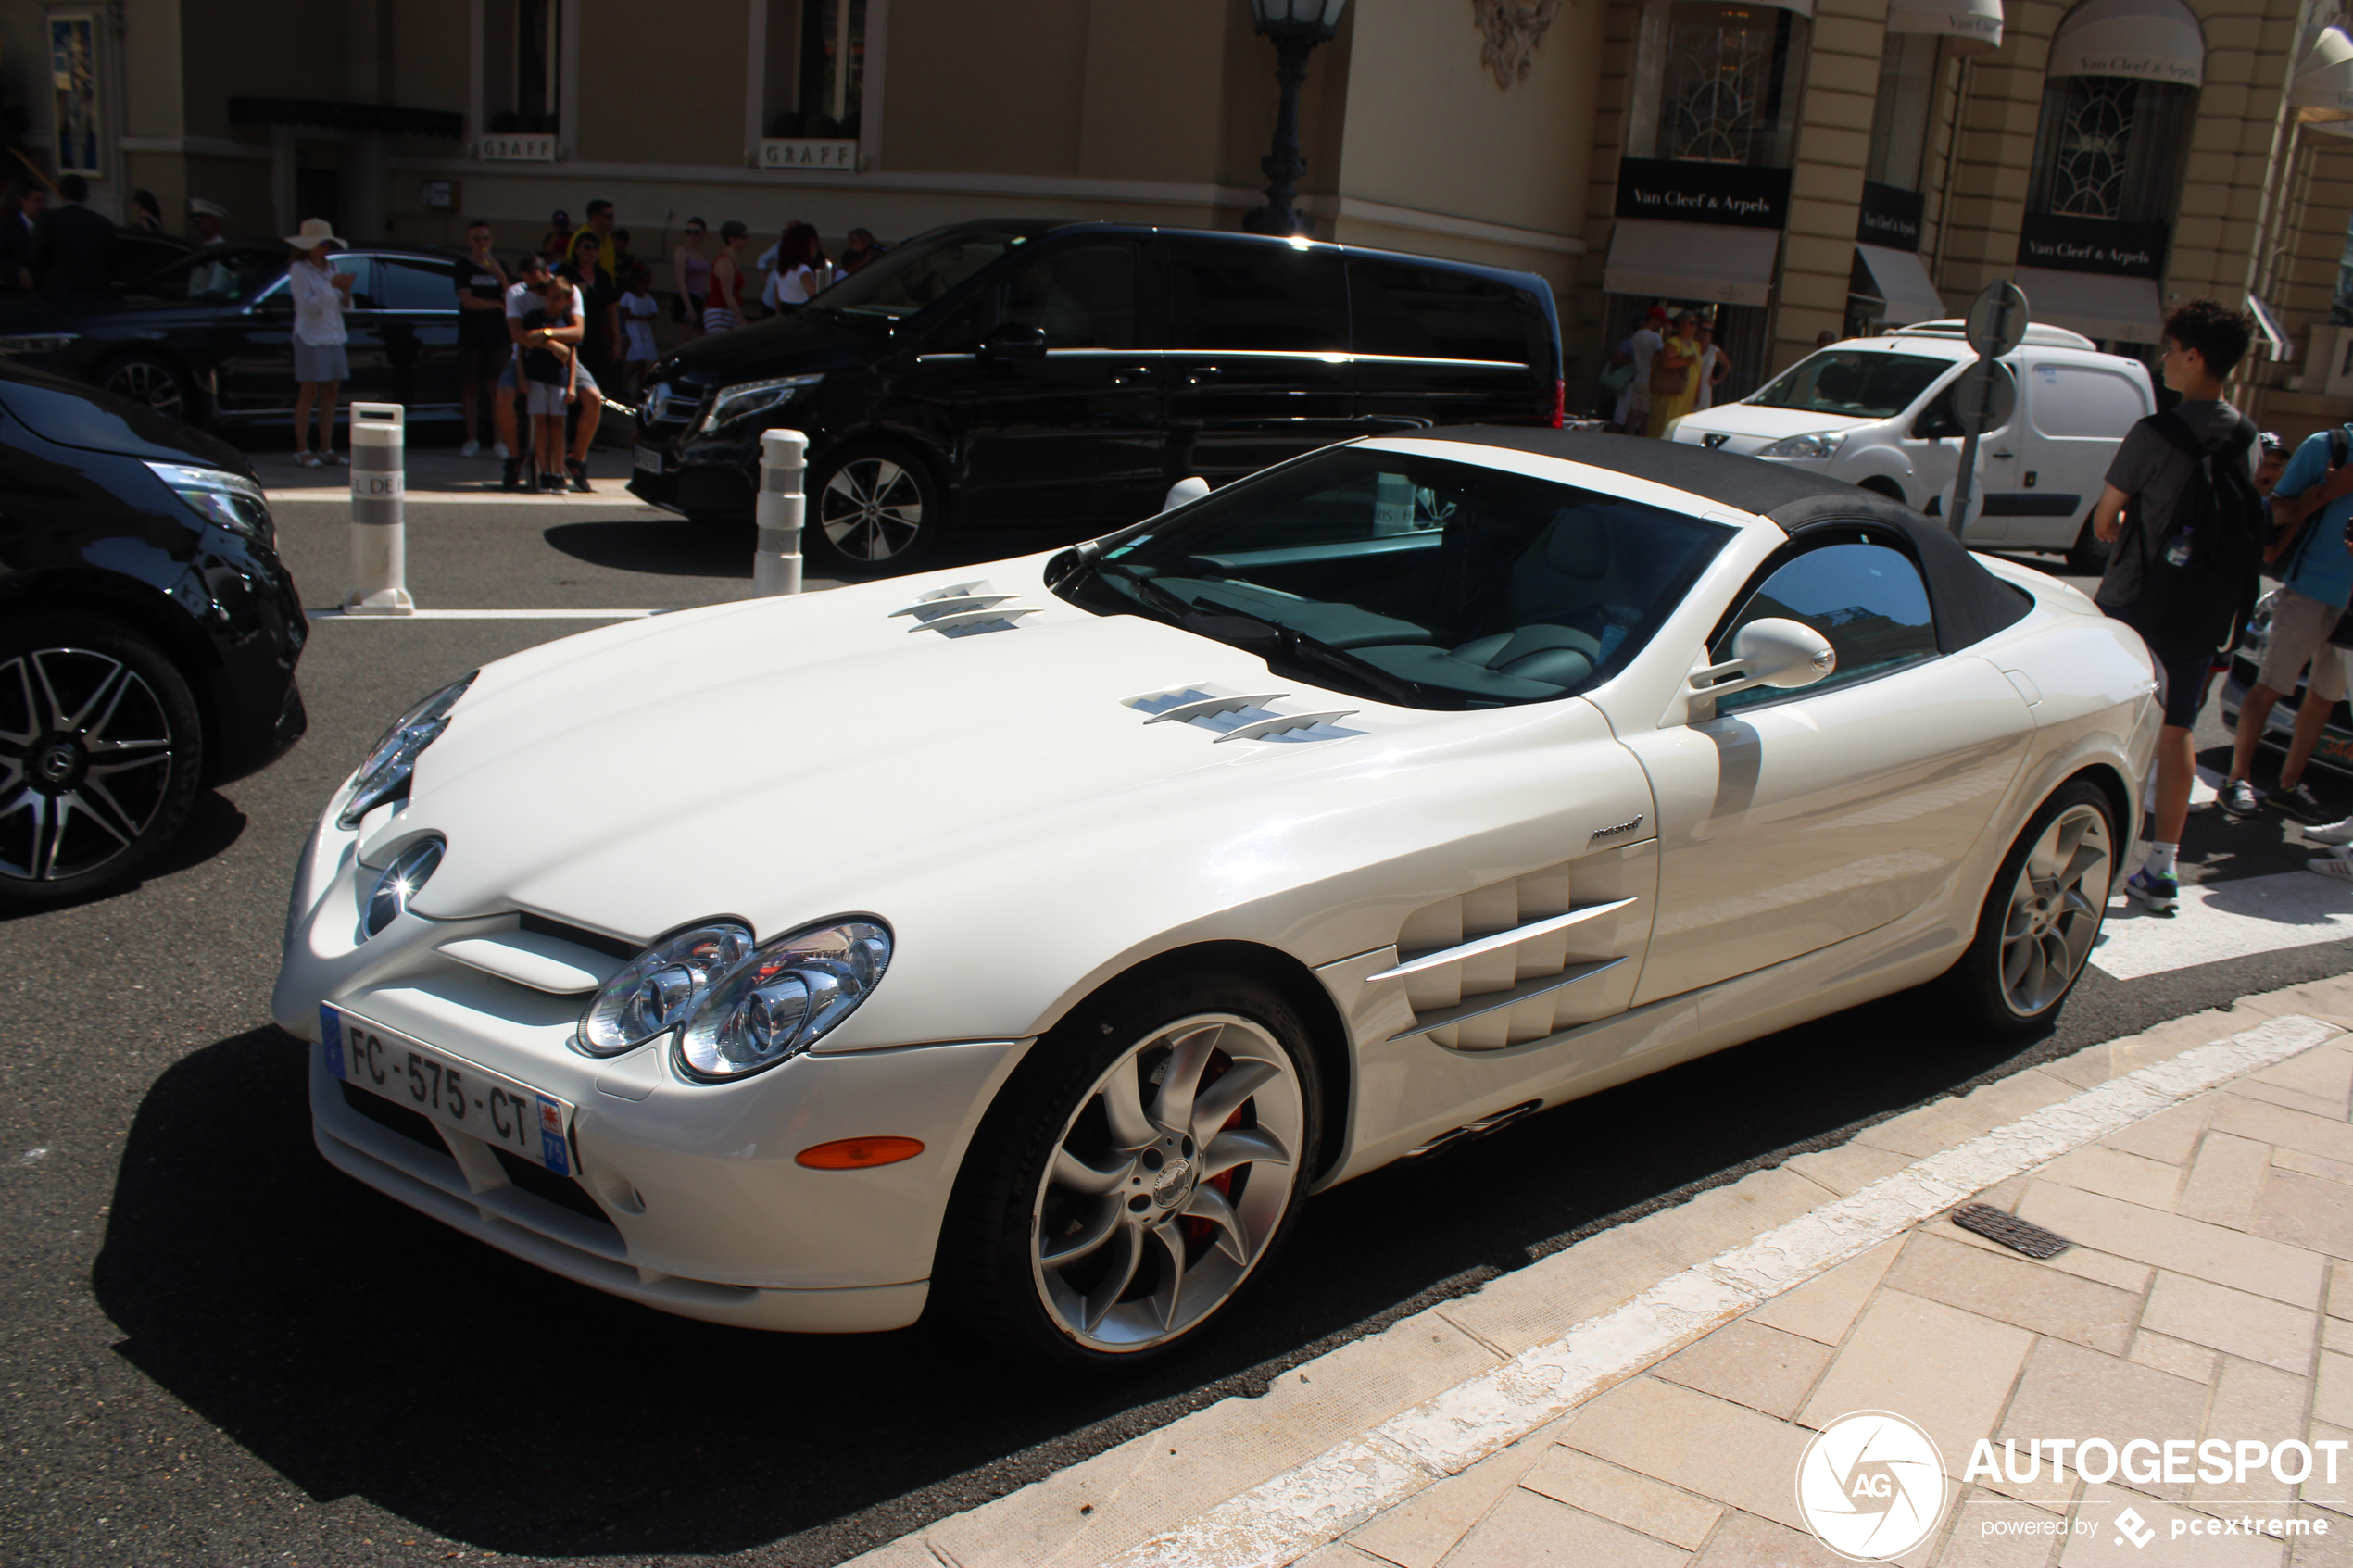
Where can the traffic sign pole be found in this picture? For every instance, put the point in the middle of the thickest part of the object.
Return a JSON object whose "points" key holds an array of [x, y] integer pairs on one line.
{"points": [[1983, 397]]}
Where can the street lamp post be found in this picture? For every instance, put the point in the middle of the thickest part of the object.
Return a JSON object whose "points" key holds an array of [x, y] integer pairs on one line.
{"points": [[1296, 25]]}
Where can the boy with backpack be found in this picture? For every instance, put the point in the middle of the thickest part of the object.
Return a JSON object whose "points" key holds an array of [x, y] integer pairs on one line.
{"points": [[2188, 529]]}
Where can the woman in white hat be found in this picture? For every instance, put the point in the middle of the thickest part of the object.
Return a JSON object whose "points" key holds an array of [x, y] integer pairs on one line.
{"points": [[320, 296]]}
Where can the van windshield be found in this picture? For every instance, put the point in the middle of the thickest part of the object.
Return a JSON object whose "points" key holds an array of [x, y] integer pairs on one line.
{"points": [[1857, 382], [902, 281]]}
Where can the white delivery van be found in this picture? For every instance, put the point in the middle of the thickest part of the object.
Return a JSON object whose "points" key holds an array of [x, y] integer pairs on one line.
{"points": [[1877, 412]]}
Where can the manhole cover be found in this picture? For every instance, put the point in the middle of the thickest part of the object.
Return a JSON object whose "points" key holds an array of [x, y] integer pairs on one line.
{"points": [[2010, 1230]]}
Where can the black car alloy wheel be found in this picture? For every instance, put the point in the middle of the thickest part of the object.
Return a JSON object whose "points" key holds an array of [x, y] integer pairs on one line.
{"points": [[142, 378], [99, 751], [876, 508]]}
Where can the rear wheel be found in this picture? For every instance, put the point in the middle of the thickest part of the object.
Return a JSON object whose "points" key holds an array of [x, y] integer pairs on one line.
{"points": [[2043, 914], [145, 379], [100, 753], [874, 509], [1136, 1172]]}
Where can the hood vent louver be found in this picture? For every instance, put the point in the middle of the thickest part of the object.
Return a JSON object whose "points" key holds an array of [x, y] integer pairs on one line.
{"points": [[964, 609], [1244, 716]]}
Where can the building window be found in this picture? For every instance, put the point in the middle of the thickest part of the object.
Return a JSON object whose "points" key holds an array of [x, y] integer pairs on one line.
{"points": [[827, 70], [523, 66], [2109, 146], [1899, 123], [1718, 83], [73, 74]]}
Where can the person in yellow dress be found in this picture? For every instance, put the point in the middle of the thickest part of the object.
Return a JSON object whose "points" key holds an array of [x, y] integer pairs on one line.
{"points": [[1674, 375]]}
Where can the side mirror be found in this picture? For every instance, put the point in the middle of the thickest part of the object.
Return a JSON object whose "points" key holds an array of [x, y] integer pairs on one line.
{"points": [[1184, 492], [1772, 652], [1013, 340]]}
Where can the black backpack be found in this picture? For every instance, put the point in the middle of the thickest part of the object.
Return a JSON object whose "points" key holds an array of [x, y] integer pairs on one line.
{"points": [[2202, 575]]}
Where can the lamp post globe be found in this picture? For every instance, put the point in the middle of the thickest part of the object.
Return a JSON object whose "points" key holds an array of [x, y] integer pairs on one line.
{"points": [[1296, 27]]}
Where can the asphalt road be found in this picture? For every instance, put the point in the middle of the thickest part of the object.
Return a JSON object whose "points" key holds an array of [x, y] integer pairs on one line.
{"points": [[216, 1349]]}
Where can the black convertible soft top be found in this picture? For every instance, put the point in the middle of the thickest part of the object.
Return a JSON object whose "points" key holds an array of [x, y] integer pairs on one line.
{"points": [[1971, 602]]}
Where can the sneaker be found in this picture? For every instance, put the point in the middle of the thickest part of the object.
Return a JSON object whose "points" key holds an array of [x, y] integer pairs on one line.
{"points": [[2163, 893], [502, 453], [471, 449], [511, 476], [2332, 833], [2299, 805], [551, 484], [579, 476], [2336, 867], [2240, 798]]}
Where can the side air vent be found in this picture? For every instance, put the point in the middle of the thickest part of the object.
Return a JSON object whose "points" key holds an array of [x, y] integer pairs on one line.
{"points": [[1239, 715], [963, 609], [1518, 960]]}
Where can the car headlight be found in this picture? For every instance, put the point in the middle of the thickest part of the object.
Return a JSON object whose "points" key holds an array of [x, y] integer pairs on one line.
{"points": [[384, 776], [661, 986], [231, 500], [784, 999], [1821, 443], [28, 344], [755, 396], [398, 883]]}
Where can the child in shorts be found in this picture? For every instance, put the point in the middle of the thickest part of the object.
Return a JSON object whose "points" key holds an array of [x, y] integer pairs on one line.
{"points": [[637, 311]]}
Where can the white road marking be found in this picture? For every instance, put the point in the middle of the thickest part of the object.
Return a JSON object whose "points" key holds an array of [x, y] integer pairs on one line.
{"points": [[492, 615], [1282, 1520], [2224, 920]]}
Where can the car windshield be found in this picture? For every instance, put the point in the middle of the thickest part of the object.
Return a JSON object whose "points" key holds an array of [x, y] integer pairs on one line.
{"points": [[1420, 580], [1860, 382], [218, 275], [902, 281]]}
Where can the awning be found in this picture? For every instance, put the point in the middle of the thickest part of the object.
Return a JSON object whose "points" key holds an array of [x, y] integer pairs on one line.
{"points": [[1974, 26], [2276, 342], [2322, 89], [1904, 283], [2154, 40], [2125, 309], [1728, 265]]}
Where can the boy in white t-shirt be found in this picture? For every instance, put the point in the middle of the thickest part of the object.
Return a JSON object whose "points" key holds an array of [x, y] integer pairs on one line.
{"points": [[638, 312]]}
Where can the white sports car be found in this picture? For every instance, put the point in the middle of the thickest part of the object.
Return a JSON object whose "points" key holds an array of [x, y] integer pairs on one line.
{"points": [[1033, 938]]}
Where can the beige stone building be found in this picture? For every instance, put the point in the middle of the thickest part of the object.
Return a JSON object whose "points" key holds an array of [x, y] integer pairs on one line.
{"points": [[1804, 166]]}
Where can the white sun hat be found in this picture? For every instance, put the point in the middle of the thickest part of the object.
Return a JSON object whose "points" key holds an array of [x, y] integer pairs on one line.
{"points": [[315, 231]]}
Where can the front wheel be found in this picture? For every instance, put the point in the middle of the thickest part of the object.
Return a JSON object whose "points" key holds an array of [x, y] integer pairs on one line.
{"points": [[875, 510], [2042, 915], [1136, 1172], [145, 379]]}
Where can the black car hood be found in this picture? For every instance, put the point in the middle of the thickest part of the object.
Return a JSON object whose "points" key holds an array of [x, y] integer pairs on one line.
{"points": [[70, 414], [797, 340]]}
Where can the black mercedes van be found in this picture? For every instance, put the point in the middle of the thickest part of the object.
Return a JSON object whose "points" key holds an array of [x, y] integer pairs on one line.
{"points": [[1052, 377]]}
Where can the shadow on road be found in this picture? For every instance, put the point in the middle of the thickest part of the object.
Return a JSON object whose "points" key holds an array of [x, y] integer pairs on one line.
{"points": [[357, 1348], [666, 546]]}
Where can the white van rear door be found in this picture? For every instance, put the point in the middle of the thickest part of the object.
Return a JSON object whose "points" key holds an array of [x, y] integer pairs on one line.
{"points": [[2073, 413]]}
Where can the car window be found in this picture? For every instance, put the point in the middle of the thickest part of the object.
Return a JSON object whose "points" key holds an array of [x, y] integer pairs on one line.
{"points": [[1262, 296], [1477, 586], [1936, 423], [414, 285], [1861, 383], [1867, 599], [218, 273], [364, 285], [1432, 312], [2081, 400], [1081, 297], [904, 279]]}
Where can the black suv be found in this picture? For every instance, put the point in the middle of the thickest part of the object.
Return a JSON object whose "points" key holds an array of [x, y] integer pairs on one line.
{"points": [[148, 632], [1058, 377]]}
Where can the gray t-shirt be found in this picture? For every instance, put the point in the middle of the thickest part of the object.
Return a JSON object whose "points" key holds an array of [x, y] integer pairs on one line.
{"points": [[2152, 471]]}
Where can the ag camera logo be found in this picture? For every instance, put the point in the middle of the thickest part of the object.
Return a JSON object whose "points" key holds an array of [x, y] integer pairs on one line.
{"points": [[1871, 1486]]}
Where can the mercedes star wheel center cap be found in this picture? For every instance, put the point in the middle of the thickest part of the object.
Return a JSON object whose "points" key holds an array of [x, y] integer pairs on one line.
{"points": [[58, 763]]}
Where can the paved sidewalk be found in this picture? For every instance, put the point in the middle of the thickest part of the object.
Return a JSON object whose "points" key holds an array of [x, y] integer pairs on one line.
{"points": [[1646, 1396]]}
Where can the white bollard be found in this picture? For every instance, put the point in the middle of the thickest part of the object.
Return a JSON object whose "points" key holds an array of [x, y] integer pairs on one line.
{"points": [[776, 559], [379, 529]]}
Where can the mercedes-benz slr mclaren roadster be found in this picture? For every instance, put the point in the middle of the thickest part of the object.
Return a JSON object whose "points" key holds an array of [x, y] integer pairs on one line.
{"points": [[1027, 941]]}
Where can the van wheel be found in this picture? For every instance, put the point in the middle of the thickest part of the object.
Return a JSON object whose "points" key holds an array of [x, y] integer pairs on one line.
{"points": [[875, 510], [2042, 914], [2089, 556]]}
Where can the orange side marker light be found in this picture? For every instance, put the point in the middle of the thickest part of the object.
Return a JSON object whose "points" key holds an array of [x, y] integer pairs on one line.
{"points": [[858, 1154]]}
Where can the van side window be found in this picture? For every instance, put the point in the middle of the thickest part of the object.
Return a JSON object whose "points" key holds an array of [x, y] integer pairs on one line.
{"points": [[1867, 599], [1082, 296], [1427, 312], [1262, 296]]}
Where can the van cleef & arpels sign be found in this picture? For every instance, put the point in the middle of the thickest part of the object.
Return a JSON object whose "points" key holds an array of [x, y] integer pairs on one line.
{"points": [[1702, 193], [2092, 244]]}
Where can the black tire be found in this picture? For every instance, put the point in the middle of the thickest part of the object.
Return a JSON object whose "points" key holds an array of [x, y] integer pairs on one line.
{"points": [[1996, 984], [101, 752], [2088, 557], [152, 380], [874, 509], [997, 1261]]}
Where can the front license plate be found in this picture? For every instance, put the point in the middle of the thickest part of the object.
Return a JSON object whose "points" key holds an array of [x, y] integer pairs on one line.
{"points": [[457, 1093], [649, 458]]}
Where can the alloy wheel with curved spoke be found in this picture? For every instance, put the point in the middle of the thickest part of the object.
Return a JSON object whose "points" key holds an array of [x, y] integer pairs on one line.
{"points": [[1168, 1181], [85, 761], [872, 509], [144, 381], [2054, 909]]}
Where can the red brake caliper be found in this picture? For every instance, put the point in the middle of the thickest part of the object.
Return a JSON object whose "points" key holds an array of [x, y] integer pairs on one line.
{"points": [[1198, 1230]]}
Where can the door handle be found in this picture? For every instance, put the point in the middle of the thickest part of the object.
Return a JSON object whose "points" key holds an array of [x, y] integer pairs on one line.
{"points": [[1203, 372], [1124, 374], [2005, 457]]}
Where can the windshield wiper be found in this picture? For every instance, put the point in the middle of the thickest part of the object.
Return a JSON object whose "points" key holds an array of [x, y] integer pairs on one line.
{"points": [[1299, 646], [1091, 562]]}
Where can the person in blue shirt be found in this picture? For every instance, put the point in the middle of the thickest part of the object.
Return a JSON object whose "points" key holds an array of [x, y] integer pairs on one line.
{"points": [[2310, 507]]}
